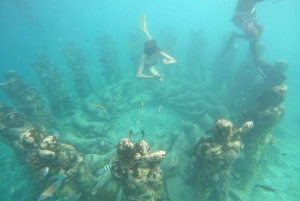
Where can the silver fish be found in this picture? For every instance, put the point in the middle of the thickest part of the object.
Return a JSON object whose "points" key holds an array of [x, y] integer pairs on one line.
{"points": [[77, 196], [41, 174]]}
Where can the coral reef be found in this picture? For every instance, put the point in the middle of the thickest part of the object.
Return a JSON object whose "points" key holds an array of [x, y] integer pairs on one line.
{"points": [[200, 106], [214, 156]]}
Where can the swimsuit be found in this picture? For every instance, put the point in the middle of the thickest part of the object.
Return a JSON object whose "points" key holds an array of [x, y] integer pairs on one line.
{"points": [[153, 62], [246, 21]]}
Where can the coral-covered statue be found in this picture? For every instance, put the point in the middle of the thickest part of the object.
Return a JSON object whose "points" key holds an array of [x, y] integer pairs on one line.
{"points": [[137, 170], [27, 99], [214, 157], [59, 157]]}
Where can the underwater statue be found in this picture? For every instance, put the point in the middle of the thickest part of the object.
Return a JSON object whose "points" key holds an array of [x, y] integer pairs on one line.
{"points": [[62, 162], [59, 157], [214, 156], [267, 112], [135, 43], [27, 99], [77, 62], [52, 80], [109, 61], [137, 170]]}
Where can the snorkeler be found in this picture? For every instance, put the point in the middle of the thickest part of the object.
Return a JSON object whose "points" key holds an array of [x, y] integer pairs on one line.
{"points": [[245, 18], [151, 55]]}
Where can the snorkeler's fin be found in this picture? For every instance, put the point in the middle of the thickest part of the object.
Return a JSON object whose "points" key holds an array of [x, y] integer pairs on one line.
{"points": [[143, 22], [271, 74]]}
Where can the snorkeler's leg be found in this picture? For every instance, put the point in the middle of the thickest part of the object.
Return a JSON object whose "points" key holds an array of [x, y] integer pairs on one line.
{"points": [[231, 40], [153, 71], [144, 26]]}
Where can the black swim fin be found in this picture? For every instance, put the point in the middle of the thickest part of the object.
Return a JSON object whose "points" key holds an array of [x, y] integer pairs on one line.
{"points": [[271, 74]]}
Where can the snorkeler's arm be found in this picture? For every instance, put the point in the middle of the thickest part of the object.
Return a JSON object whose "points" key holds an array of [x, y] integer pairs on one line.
{"points": [[140, 70], [167, 59]]}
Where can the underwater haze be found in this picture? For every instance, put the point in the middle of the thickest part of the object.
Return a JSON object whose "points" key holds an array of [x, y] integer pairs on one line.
{"points": [[87, 114]]}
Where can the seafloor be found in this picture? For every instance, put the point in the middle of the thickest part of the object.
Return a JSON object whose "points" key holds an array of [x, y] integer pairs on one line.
{"points": [[176, 120]]}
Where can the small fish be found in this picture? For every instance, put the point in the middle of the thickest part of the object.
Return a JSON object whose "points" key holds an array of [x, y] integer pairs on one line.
{"points": [[220, 190], [57, 134], [137, 122], [103, 72], [50, 190], [7, 161], [276, 1], [145, 195], [78, 196], [100, 107], [265, 187], [284, 154], [103, 59], [104, 169], [92, 157], [143, 134], [130, 134], [158, 110], [41, 174], [142, 106], [7, 165]]}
